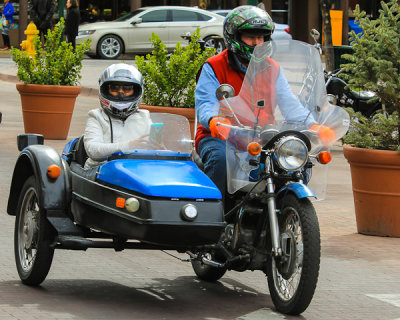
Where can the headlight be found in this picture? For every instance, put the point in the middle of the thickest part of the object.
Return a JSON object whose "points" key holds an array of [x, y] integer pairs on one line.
{"points": [[189, 212], [85, 32], [291, 153]]}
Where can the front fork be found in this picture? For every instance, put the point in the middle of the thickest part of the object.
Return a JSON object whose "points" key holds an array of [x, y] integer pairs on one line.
{"points": [[273, 219]]}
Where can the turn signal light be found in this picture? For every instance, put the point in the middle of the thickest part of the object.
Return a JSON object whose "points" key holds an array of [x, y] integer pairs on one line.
{"points": [[120, 202], [53, 171], [324, 157], [254, 148]]}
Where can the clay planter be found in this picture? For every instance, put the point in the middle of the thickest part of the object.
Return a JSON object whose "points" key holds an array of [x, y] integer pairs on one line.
{"points": [[189, 113], [47, 109], [375, 177]]}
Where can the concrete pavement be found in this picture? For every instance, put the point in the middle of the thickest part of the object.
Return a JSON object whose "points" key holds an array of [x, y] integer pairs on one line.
{"points": [[359, 276]]}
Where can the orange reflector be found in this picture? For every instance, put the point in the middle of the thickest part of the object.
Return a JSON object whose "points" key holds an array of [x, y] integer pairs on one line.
{"points": [[53, 171], [120, 203], [324, 157], [254, 148]]}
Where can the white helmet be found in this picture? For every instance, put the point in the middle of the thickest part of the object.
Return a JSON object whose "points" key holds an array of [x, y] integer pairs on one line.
{"points": [[120, 106]]}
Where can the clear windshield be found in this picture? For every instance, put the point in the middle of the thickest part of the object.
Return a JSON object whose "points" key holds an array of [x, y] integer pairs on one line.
{"points": [[285, 89], [164, 132]]}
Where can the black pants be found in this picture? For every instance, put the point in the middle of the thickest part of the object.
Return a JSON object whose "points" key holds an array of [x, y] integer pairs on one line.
{"points": [[6, 40], [71, 39]]}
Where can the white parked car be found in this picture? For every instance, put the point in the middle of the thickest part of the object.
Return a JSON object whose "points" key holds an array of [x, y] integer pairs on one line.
{"points": [[131, 33]]}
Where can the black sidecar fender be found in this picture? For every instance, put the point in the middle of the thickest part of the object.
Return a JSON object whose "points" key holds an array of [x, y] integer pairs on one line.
{"points": [[54, 194]]}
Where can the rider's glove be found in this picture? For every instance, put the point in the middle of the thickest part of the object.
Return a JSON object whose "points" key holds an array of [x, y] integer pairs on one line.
{"points": [[218, 131], [326, 134]]}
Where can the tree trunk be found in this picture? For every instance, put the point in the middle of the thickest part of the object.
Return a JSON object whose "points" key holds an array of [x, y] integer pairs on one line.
{"points": [[327, 45]]}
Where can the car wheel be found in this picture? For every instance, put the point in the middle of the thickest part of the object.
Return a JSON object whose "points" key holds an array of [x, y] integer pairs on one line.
{"points": [[217, 44], [109, 47], [33, 237]]}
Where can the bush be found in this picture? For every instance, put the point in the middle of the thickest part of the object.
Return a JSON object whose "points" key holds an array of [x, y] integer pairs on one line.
{"points": [[54, 63], [375, 66], [171, 81]]}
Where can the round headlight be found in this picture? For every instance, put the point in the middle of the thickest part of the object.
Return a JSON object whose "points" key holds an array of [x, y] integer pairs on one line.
{"points": [[189, 212], [291, 153]]}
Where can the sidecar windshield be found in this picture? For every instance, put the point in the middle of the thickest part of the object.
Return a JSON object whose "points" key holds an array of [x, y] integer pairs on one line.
{"points": [[167, 134], [285, 89]]}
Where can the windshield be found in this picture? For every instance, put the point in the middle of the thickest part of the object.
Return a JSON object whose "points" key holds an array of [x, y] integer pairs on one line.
{"points": [[285, 89], [165, 133], [129, 15]]}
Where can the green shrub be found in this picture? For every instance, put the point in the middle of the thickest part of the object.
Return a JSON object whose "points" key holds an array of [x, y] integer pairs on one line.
{"points": [[375, 66], [171, 82], [54, 63]]}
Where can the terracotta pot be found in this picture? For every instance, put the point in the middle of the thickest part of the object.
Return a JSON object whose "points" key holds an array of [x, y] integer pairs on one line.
{"points": [[375, 177], [189, 113], [47, 109]]}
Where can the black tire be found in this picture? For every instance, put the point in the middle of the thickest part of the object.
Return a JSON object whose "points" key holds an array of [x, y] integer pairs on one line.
{"points": [[109, 47], [216, 43], [292, 284], [208, 273], [33, 236]]}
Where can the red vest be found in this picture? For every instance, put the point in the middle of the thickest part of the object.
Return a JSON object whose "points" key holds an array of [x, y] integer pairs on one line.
{"points": [[225, 73]]}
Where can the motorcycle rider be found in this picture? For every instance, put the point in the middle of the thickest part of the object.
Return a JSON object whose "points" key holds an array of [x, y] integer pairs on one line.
{"points": [[244, 28], [119, 123]]}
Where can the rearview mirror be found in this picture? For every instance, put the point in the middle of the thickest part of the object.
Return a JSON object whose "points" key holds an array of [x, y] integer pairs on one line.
{"points": [[136, 20], [315, 34], [225, 91]]}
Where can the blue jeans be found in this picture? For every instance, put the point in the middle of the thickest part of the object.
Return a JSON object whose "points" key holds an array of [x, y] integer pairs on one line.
{"points": [[212, 153]]}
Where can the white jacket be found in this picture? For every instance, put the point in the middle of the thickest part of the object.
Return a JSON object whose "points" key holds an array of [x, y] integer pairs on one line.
{"points": [[97, 137]]}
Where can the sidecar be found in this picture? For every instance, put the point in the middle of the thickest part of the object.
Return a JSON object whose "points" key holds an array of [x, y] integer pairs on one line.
{"points": [[142, 199]]}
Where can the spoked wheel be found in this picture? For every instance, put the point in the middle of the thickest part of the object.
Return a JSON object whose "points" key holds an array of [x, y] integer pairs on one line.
{"points": [[33, 235], [206, 272], [292, 278], [218, 44], [109, 47]]}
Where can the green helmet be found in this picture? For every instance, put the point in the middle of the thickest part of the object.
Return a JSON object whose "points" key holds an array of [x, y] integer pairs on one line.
{"points": [[246, 19]]}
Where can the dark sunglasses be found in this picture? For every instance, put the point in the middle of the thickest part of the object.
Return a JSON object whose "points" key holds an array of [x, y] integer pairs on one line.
{"points": [[117, 87]]}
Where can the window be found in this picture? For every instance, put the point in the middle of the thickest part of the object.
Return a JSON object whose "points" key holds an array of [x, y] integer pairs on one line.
{"points": [[183, 15], [155, 16]]}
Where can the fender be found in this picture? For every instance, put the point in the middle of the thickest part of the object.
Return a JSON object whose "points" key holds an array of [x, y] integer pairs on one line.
{"points": [[54, 194], [298, 189]]}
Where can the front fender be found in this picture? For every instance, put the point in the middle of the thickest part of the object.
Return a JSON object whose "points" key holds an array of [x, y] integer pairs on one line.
{"points": [[298, 189], [54, 194]]}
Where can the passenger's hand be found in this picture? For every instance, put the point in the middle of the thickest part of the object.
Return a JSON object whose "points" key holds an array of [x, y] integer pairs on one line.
{"points": [[326, 134], [218, 131]]}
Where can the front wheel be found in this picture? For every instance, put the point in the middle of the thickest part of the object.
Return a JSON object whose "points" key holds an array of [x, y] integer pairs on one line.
{"points": [[33, 236], [109, 47], [292, 278]]}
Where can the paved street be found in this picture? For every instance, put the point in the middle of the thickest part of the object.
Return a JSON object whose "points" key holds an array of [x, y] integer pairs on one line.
{"points": [[359, 276]]}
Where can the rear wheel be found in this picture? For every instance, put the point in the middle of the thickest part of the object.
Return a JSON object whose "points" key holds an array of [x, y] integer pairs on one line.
{"points": [[206, 272], [292, 278], [109, 47], [217, 43], [33, 236]]}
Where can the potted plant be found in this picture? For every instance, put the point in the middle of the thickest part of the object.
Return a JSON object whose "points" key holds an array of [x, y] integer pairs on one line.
{"points": [[170, 79], [373, 147], [50, 82]]}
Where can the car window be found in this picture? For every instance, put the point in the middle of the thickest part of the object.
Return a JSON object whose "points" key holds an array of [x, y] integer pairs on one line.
{"points": [[129, 15], [183, 15], [155, 16]]}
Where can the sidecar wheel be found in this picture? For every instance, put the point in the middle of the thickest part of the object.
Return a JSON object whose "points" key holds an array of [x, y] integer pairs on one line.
{"points": [[292, 279], [33, 235], [207, 273]]}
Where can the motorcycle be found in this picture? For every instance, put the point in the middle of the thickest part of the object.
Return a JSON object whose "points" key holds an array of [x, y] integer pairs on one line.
{"points": [[336, 87], [155, 197]]}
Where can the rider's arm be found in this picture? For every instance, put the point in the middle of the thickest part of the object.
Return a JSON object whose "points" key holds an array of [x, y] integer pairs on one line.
{"points": [[205, 98], [97, 138], [289, 105]]}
